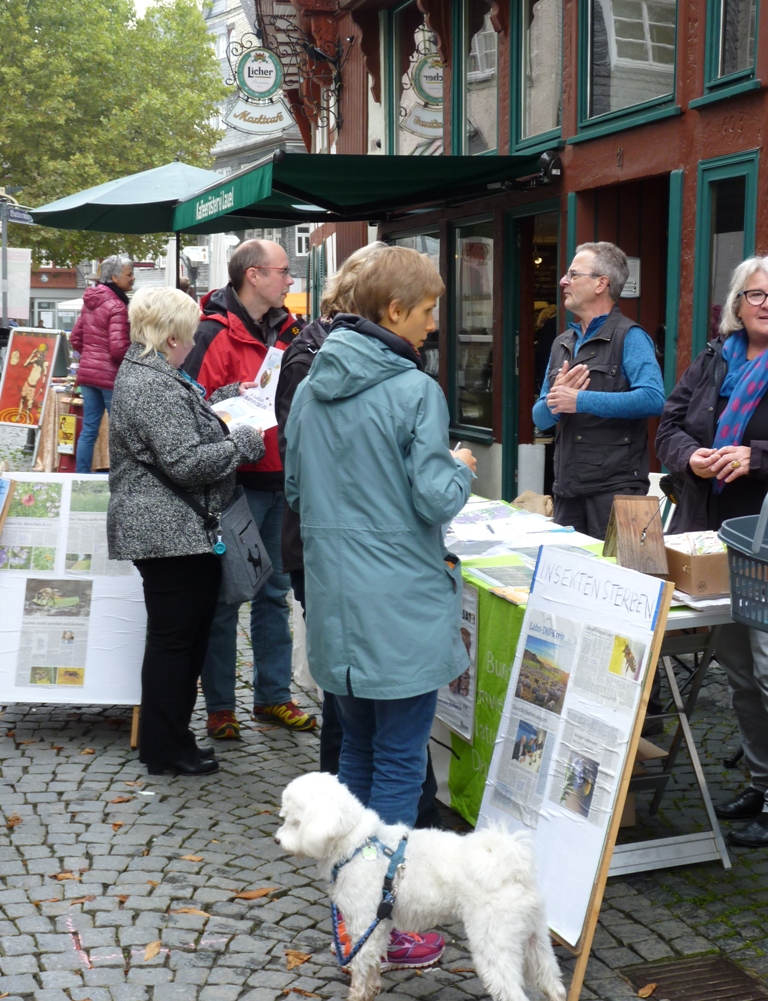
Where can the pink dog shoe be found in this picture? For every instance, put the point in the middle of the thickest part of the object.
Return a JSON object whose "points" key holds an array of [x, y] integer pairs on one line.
{"points": [[410, 951]]}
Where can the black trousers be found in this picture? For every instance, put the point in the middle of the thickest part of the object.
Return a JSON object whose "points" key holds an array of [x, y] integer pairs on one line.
{"points": [[332, 736], [589, 514], [180, 593]]}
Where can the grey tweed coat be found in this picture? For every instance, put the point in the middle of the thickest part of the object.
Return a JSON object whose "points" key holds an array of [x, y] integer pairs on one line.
{"points": [[159, 418]]}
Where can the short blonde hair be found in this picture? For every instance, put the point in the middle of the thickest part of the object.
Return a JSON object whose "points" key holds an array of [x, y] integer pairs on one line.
{"points": [[395, 274], [159, 313], [338, 291], [729, 318]]}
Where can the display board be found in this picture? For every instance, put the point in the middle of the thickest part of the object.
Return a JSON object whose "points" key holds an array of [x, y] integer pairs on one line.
{"points": [[72, 622], [29, 367], [571, 720]]}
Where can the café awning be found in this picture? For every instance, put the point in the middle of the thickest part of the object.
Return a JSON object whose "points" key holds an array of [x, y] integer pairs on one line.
{"points": [[293, 188]]}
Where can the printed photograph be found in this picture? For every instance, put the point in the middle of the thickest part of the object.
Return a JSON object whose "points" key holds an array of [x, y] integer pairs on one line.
{"points": [[529, 745], [43, 558], [579, 786], [67, 636], [78, 562], [541, 681], [35, 500], [42, 676], [15, 557], [26, 377], [70, 676], [89, 496], [627, 658], [57, 598]]}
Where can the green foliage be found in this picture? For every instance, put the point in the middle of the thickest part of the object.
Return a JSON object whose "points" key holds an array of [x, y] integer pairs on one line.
{"points": [[90, 94]]}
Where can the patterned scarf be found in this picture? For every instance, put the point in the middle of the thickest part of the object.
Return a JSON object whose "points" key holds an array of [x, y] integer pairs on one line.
{"points": [[744, 387]]}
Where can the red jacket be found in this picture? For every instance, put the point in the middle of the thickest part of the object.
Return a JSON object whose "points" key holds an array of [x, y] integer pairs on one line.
{"points": [[229, 348], [100, 337]]}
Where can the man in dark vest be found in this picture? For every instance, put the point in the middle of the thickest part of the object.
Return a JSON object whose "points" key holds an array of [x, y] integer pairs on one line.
{"points": [[602, 384]]}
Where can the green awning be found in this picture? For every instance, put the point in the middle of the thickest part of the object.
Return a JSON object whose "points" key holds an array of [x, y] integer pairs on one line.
{"points": [[293, 188]]}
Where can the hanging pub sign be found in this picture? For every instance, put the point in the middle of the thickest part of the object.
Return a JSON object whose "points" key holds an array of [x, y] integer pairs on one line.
{"points": [[260, 108], [426, 119]]}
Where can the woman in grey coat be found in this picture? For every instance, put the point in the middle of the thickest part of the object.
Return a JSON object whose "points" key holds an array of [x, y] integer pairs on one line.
{"points": [[160, 420]]}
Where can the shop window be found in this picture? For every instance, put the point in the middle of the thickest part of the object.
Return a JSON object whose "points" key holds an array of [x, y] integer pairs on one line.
{"points": [[731, 26], [476, 86], [429, 244], [540, 67], [472, 324], [414, 76], [725, 235], [631, 53]]}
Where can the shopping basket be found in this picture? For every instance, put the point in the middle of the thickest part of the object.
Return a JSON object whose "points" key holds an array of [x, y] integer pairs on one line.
{"points": [[748, 565]]}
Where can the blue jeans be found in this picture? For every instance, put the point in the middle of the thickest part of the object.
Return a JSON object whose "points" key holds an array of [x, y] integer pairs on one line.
{"points": [[95, 402], [384, 754], [270, 635]]}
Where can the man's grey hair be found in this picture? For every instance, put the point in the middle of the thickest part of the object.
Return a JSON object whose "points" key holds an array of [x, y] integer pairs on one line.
{"points": [[729, 318], [250, 254], [610, 261], [112, 267]]}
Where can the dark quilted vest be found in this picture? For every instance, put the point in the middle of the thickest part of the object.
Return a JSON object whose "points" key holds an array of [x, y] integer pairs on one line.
{"points": [[597, 454]]}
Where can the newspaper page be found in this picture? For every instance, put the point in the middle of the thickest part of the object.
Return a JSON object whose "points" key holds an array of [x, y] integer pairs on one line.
{"points": [[86, 550], [257, 405], [54, 632], [569, 712], [456, 700], [31, 533]]}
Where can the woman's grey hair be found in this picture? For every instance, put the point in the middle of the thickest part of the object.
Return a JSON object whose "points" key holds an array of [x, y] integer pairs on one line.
{"points": [[610, 261], [112, 267], [729, 318]]}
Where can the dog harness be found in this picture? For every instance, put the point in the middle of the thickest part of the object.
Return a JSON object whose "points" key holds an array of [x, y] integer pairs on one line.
{"points": [[396, 858]]}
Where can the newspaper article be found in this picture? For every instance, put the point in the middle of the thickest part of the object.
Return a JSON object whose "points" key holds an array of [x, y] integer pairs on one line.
{"points": [[547, 661], [54, 632], [31, 530], [609, 667], [585, 772], [456, 700], [86, 551], [523, 765]]}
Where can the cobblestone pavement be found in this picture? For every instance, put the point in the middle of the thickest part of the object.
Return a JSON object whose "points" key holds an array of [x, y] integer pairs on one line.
{"points": [[117, 886]]}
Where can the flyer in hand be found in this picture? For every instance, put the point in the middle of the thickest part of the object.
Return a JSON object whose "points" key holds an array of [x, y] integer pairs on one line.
{"points": [[256, 406]]}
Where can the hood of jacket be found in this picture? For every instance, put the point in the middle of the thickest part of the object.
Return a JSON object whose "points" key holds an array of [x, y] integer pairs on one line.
{"points": [[223, 301], [358, 354], [97, 295]]}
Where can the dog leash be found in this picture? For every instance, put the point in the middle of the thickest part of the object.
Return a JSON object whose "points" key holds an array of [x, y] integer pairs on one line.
{"points": [[396, 858]]}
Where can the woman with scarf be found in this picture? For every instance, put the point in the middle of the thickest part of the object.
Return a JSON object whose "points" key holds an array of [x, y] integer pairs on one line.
{"points": [[101, 338], [713, 437]]}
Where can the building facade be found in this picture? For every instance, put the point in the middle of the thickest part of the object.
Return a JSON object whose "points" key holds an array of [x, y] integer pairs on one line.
{"points": [[657, 112]]}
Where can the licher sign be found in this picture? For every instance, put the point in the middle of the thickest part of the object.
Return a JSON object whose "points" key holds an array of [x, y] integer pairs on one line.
{"points": [[427, 79], [259, 74]]}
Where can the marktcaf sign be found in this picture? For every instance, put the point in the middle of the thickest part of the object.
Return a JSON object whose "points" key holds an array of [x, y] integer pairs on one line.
{"points": [[259, 119]]}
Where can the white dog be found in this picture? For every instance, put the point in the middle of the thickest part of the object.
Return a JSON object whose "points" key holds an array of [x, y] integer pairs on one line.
{"points": [[486, 879]]}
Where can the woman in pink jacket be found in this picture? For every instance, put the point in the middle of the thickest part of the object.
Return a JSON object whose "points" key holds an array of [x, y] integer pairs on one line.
{"points": [[101, 338]]}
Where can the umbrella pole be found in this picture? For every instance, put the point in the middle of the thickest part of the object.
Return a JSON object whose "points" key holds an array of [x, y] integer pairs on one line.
{"points": [[178, 260]]}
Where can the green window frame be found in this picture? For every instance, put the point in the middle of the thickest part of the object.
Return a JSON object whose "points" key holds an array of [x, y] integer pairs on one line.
{"points": [[651, 110], [459, 27], [710, 172], [717, 87], [518, 143]]}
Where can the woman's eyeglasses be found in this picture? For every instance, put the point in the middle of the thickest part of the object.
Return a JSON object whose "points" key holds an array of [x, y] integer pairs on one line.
{"points": [[754, 296]]}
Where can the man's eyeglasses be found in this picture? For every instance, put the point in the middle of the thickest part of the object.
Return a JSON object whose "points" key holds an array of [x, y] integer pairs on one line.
{"points": [[570, 275], [285, 272], [755, 296]]}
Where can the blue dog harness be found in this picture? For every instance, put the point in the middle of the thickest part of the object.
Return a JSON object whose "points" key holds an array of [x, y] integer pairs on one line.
{"points": [[396, 858]]}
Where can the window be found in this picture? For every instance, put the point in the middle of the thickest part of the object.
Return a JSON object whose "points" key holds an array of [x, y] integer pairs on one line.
{"points": [[429, 244], [414, 84], [731, 26], [302, 241], [476, 91], [631, 53], [472, 324], [725, 235], [540, 67]]}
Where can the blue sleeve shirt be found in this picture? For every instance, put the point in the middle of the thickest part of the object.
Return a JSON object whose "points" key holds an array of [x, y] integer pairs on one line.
{"points": [[644, 398]]}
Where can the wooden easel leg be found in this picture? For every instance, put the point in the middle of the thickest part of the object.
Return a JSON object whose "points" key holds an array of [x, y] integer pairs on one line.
{"points": [[579, 972], [135, 728]]}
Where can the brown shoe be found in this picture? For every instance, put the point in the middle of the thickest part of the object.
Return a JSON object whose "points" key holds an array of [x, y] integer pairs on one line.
{"points": [[223, 725]]}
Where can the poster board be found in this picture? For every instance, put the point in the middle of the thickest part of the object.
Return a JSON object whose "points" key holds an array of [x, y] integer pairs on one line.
{"points": [[29, 367], [72, 622], [456, 700], [570, 725]]}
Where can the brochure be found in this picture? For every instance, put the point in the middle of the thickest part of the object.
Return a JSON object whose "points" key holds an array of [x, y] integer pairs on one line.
{"points": [[256, 406]]}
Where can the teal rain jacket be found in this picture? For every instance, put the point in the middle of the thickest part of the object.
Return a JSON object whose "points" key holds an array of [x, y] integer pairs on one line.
{"points": [[369, 468]]}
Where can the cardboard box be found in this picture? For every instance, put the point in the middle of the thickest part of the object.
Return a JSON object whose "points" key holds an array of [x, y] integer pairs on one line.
{"points": [[699, 575]]}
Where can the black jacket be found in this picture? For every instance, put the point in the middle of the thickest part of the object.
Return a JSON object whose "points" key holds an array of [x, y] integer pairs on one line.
{"points": [[297, 360], [689, 422]]}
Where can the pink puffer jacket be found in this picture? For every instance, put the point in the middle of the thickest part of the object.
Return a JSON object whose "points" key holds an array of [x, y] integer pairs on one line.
{"points": [[100, 336]]}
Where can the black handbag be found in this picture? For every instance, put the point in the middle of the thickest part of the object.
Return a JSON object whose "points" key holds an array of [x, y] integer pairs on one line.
{"points": [[245, 563]]}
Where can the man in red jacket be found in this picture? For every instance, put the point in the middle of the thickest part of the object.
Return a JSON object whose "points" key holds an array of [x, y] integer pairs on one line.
{"points": [[240, 323]]}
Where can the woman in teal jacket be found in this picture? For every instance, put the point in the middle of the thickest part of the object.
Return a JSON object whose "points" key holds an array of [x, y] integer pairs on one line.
{"points": [[369, 468]]}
